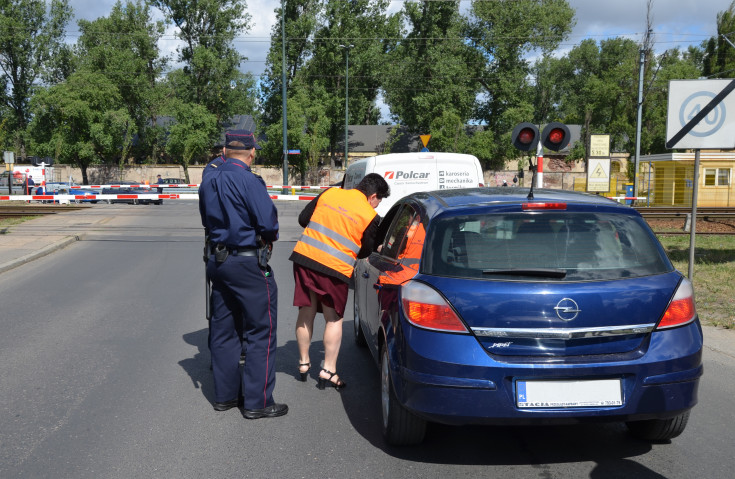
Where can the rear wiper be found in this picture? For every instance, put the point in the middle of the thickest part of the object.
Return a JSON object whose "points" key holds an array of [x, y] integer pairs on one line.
{"points": [[541, 272]]}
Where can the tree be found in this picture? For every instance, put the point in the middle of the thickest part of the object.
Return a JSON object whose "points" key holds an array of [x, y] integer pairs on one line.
{"points": [[300, 22], [597, 88], [308, 131], [432, 69], [124, 48], [719, 58], [192, 134], [29, 39], [208, 28], [81, 122], [503, 33]]}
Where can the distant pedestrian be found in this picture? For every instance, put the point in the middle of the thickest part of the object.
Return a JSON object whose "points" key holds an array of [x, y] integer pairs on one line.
{"points": [[29, 185]]}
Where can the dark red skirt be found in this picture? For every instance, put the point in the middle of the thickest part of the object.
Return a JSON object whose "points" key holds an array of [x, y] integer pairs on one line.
{"points": [[329, 291]]}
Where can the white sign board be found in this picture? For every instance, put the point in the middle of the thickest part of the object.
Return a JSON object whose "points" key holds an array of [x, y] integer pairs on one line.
{"points": [[713, 101], [598, 174]]}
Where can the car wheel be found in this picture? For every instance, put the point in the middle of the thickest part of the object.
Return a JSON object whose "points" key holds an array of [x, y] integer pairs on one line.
{"points": [[109, 202], [359, 336], [400, 426], [659, 429], [135, 201]]}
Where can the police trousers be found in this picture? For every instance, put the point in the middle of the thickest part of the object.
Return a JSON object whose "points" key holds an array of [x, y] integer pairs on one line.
{"points": [[242, 291]]}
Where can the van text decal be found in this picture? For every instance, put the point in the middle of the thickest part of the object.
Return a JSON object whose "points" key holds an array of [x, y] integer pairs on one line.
{"points": [[405, 175]]}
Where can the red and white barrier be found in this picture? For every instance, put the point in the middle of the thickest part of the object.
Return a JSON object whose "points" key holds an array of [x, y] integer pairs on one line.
{"points": [[152, 196]]}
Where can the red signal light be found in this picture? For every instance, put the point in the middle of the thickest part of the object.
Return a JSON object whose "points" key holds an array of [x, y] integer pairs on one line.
{"points": [[525, 136], [555, 136]]}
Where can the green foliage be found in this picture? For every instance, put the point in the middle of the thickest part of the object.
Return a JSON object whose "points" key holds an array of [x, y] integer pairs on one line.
{"points": [[81, 121], [29, 38], [433, 69], [192, 135], [503, 33], [719, 58], [124, 48], [308, 131], [208, 28]]}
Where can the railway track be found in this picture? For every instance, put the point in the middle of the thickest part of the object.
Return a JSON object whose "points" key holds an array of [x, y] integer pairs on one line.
{"points": [[36, 209], [673, 212]]}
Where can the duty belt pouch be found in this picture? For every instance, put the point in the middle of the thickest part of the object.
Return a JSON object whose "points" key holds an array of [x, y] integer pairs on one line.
{"points": [[264, 255], [220, 253]]}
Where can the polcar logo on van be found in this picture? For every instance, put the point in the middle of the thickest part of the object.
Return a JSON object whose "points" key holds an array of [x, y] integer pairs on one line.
{"points": [[405, 175]]}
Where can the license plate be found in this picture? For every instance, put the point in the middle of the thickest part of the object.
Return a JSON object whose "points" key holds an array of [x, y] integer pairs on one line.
{"points": [[569, 394]]}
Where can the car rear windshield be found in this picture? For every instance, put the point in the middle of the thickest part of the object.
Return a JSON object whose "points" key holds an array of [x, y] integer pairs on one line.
{"points": [[557, 246]]}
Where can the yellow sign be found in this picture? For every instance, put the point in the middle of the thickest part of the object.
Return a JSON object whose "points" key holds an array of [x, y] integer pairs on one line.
{"points": [[425, 139], [598, 175], [600, 146]]}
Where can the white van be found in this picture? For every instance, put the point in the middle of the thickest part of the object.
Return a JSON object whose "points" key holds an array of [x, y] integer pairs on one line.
{"points": [[408, 173]]}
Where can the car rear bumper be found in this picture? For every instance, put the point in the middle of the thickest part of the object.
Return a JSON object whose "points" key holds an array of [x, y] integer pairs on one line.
{"points": [[463, 384]]}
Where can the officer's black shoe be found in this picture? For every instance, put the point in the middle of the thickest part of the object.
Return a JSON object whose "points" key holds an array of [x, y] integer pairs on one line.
{"points": [[224, 406], [274, 410]]}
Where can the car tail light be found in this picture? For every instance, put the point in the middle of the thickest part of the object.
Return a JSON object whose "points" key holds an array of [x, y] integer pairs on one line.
{"points": [[543, 206], [424, 307], [681, 309]]}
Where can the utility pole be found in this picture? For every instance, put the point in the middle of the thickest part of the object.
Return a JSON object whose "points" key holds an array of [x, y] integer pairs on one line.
{"points": [[283, 96], [347, 105]]}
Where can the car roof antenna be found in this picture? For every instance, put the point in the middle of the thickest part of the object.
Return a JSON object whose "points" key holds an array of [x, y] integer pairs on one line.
{"points": [[533, 168]]}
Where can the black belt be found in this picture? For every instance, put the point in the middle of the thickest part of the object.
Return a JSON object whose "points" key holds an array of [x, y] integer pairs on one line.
{"points": [[244, 252]]}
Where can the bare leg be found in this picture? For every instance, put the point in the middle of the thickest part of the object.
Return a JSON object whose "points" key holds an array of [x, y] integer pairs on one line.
{"points": [[304, 330], [332, 341]]}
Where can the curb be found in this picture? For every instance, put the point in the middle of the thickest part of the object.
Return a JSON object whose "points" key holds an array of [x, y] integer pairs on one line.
{"points": [[46, 250]]}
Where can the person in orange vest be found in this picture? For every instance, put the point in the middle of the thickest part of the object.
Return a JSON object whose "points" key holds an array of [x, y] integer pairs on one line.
{"points": [[340, 227]]}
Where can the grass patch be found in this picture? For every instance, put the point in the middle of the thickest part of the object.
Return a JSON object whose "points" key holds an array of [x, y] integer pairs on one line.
{"points": [[13, 220], [714, 263]]}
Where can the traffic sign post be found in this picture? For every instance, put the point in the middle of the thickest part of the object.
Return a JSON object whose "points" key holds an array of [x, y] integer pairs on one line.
{"points": [[697, 118]]}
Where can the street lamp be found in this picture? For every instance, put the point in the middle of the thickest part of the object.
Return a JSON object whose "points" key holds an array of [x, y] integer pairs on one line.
{"points": [[347, 106]]}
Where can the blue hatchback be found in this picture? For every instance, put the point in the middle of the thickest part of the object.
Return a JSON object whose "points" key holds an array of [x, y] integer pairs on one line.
{"points": [[487, 306]]}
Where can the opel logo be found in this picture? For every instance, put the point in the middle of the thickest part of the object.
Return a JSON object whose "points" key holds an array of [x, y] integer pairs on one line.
{"points": [[567, 309]]}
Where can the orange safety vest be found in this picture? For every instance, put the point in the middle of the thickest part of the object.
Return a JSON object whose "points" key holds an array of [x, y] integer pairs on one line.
{"points": [[408, 265], [334, 233]]}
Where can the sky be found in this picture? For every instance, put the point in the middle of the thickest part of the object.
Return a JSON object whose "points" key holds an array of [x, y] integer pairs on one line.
{"points": [[675, 23]]}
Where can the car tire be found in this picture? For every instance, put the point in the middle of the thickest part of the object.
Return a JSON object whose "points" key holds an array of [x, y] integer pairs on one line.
{"points": [[135, 201], [359, 336], [109, 202], [400, 426], [659, 429]]}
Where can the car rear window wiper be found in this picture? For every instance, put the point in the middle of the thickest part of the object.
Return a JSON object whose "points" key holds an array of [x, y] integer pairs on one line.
{"points": [[541, 272]]}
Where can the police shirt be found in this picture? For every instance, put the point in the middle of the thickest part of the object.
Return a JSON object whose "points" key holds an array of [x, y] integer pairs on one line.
{"points": [[235, 206]]}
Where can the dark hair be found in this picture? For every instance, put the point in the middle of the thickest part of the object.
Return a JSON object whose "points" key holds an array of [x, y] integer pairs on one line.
{"points": [[374, 183]]}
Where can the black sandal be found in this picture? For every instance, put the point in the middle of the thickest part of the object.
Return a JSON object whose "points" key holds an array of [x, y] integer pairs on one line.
{"points": [[323, 382], [304, 374]]}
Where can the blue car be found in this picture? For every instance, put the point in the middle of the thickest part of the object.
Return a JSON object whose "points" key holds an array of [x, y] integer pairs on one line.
{"points": [[496, 306]]}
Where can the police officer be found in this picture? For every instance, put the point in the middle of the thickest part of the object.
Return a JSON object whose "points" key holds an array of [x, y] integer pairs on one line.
{"points": [[242, 221]]}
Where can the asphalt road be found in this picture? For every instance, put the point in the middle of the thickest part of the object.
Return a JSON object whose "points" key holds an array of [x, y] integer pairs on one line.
{"points": [[104, 372]]}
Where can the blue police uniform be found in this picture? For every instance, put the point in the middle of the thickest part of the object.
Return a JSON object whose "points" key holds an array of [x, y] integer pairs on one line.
{"points": [[236, 209]]}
